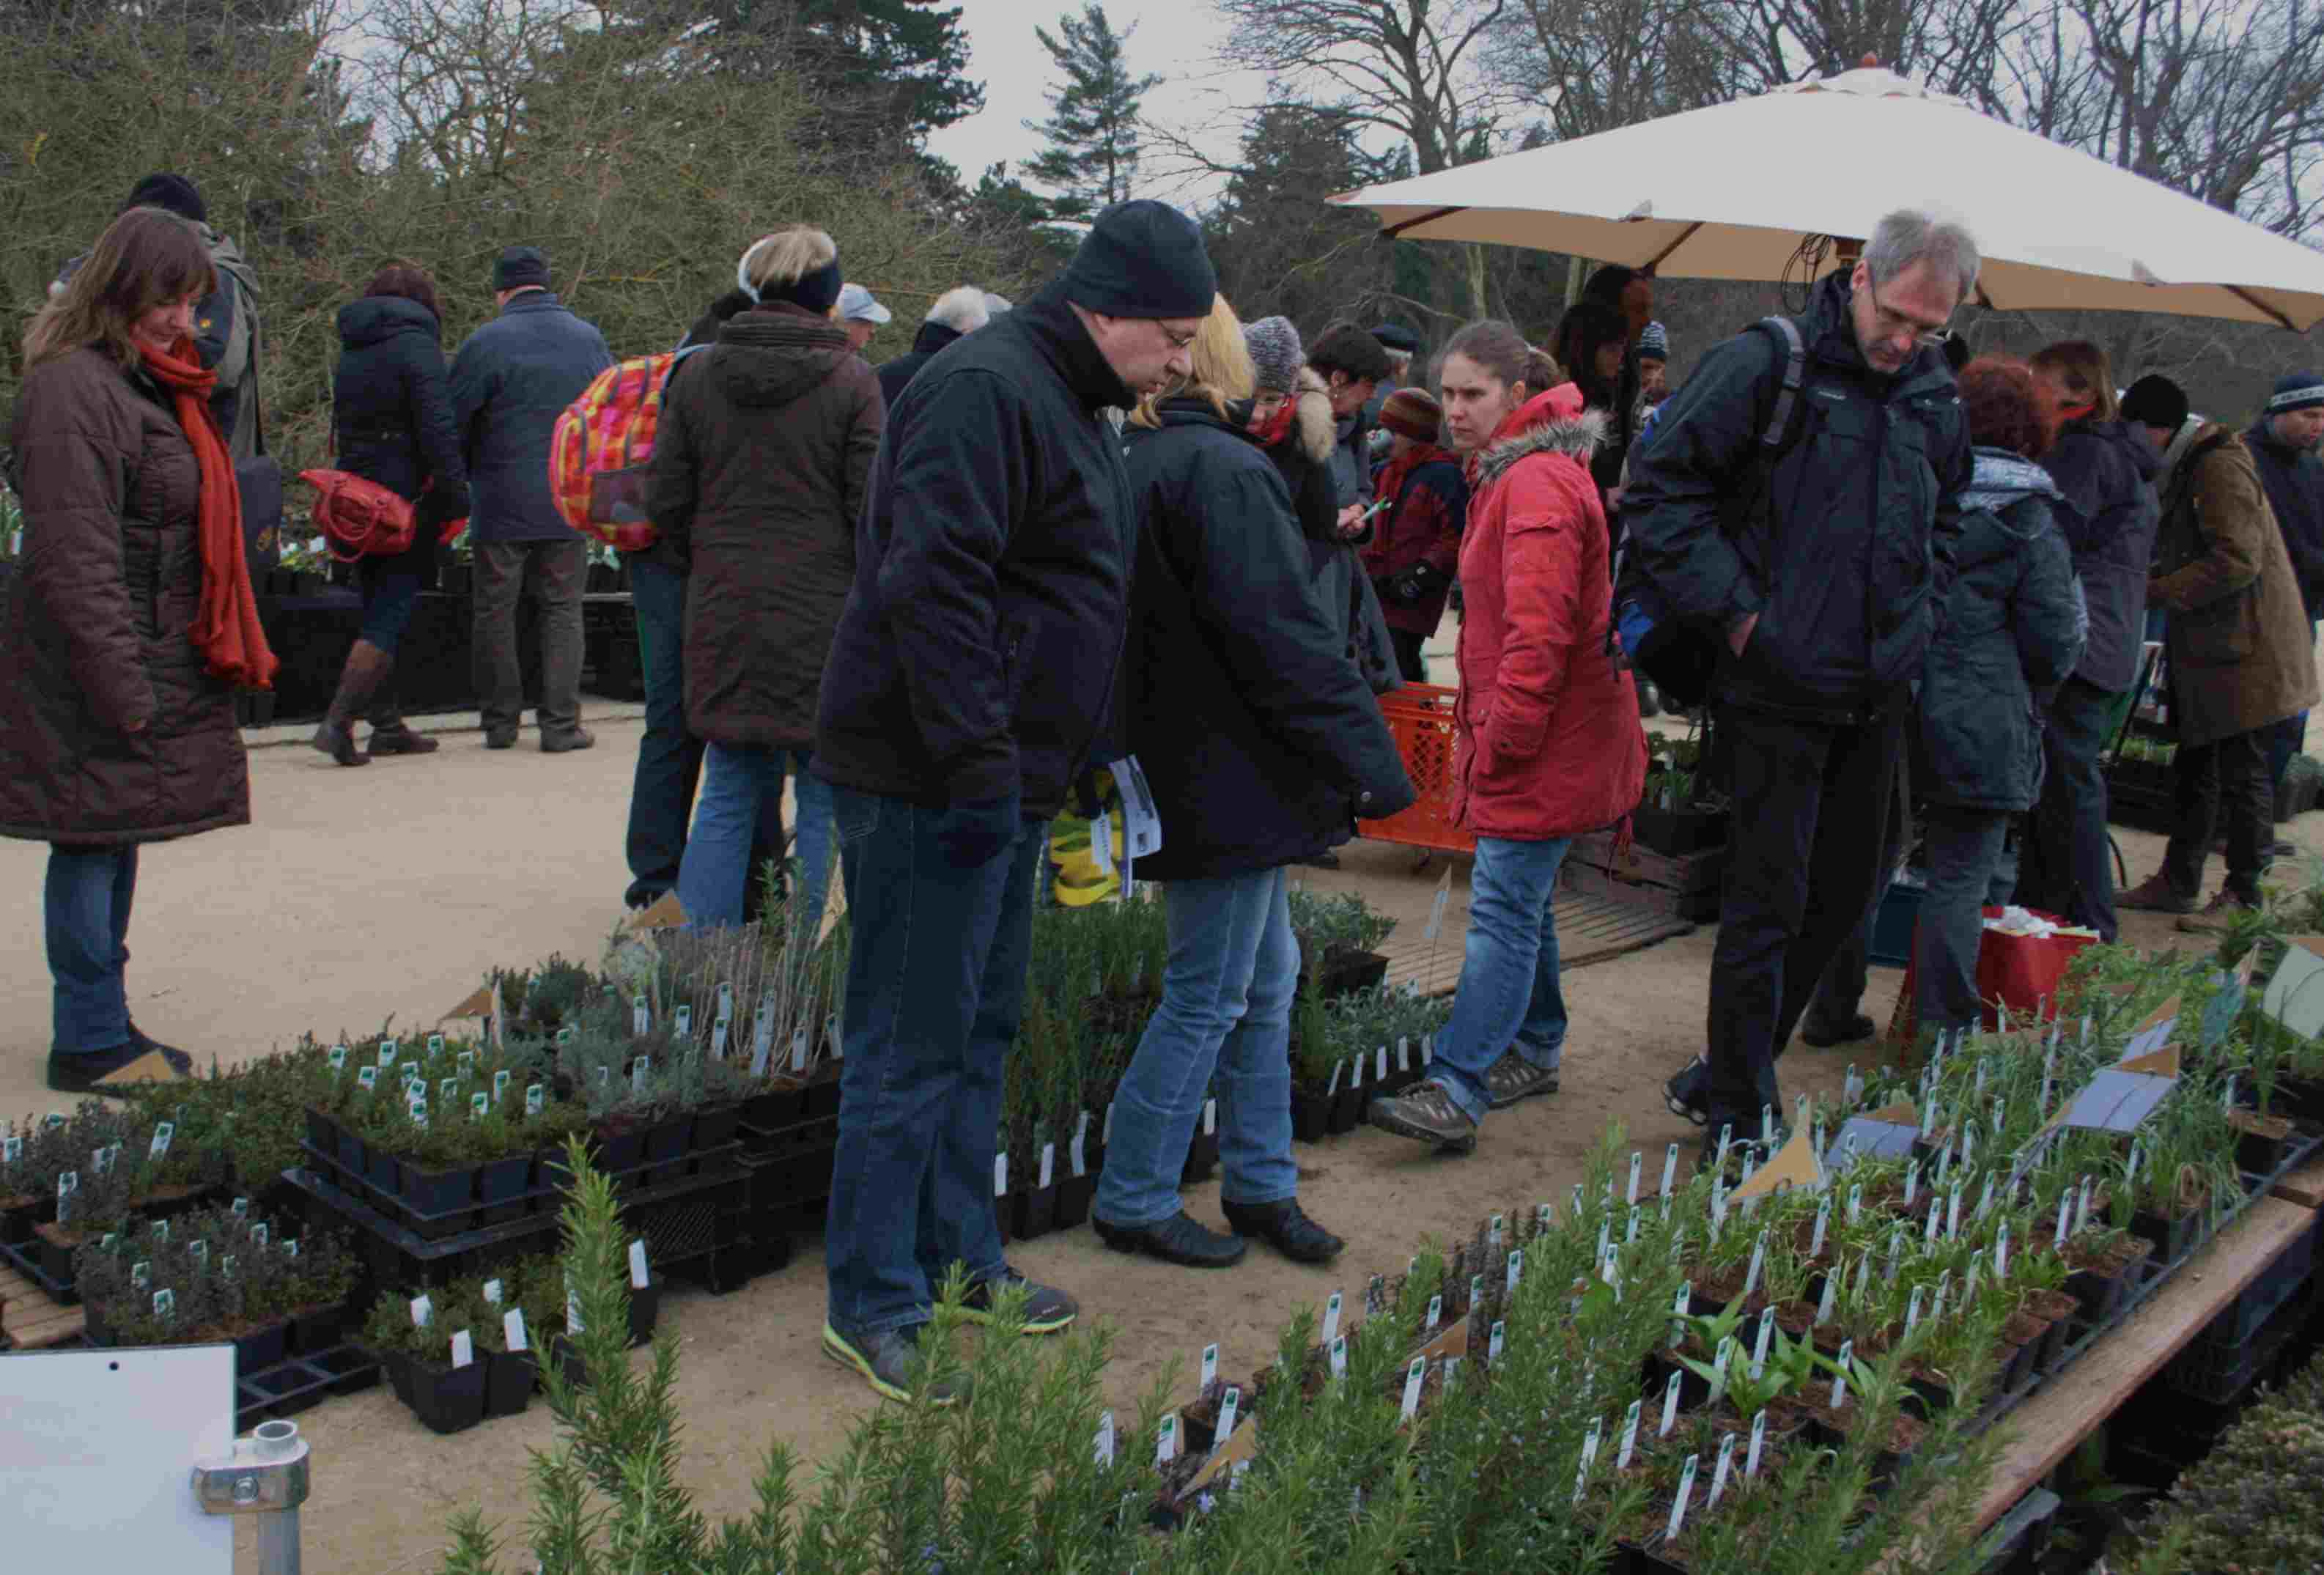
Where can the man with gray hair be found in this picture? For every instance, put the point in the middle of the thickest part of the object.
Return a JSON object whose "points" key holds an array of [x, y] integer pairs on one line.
{"points": [[1803, 531], [957, 314]]}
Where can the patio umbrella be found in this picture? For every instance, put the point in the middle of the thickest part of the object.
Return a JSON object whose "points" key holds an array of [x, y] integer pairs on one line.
{"points": [[1730, 192]]}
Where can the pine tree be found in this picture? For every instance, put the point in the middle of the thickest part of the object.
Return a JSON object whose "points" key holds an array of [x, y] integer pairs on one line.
{"points": [[1092, 160]]}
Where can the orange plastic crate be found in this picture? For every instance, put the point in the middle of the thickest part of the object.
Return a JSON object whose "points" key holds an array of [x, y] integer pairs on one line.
{"points": [[1420, 718]]}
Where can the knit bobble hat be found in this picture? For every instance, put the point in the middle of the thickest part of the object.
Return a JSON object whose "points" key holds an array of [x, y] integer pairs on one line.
{"points": [[1276, 353], [1653, 345], [2302, 390], [1408, 412], [2154, 401]]}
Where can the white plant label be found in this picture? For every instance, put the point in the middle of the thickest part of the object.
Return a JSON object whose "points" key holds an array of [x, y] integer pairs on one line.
{"points": [[536, 1100], [338, 1057], [1412, 1378], [1228, 1403], [573, 1324], [165, 1306], [1758, 1263], [1104, 1451], [1404, 1053], [2065, 1212], [1913, 1308], [1209, 1118], [1495, 1342], [1830, 1294], [1952, 1212], [1166, 1440], [1823, 1225], [640, 1278], [1516, 1272], [162, 1132], [641, 1016], [1589, 1454], [464, 1349], [1759, 1347], [1077, 1151], [500, 1085], [1629, 1436], [1337, 1355], [423, 1311], [726, 1003], [512, 1330], [1759, 1443], [140, 1273], [1000, 1175], [1638, 1162], [2082, 1208], [1912, 1184], [1855, 1203], [479, 1103], [1719, 1472], [2001, 1252], [367, 1078], [1670, 1405], [1845, 1365], [1685, 1491], [1210, 1368], [1332, 1318], [387, 1052], [1435, 1313], [493, 1293]]}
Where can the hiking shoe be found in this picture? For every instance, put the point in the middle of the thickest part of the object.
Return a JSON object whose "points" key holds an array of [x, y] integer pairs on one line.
{"points": [[337, 740], [2155, 894], [2216, 916], [1047, 1308], [499, 738], [1687, 1094], [1513, 1078], [400, 739], [890, 1362], [565, 743], [1426, 1112], [135, 1060], [1182, 1239], [1286, 1226], [1824, 1036]]}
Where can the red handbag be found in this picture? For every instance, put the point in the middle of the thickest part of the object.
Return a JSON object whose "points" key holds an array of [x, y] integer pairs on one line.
{"points": [[358, 517]]}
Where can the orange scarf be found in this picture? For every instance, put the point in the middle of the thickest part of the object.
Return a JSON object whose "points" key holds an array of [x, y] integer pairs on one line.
{"points": [[225, 628]]}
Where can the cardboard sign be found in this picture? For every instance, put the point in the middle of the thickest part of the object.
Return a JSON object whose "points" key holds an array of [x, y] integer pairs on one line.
{"points": [[476, 1003], [664, 915], [1795, 1164]]}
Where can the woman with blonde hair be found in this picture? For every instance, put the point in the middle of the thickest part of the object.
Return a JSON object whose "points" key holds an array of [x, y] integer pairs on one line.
{"points": [[2109, 514], [757, 478], [1261, 743], [128, 626]]}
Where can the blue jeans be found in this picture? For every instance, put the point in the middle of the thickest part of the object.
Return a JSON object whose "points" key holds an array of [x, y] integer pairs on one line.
{"points": [[669, 757], [935, 988], [86, 907], [742, 809], [1509, 996], [1226, 1006], [1963, 847], [811, 833]]}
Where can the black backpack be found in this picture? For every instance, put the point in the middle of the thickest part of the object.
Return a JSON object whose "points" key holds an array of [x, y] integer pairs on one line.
{"points": [[1679, 655]]}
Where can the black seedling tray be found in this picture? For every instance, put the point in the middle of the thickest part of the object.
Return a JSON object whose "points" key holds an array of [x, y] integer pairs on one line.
{"points": [[539, 1201]]}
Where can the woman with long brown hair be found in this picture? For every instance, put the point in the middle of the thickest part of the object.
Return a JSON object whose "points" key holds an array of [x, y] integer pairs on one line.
{"points": [[392, 413], [128, 625]]}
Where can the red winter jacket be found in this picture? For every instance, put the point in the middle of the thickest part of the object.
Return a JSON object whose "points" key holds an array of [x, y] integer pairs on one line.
{"points": [[1547, 737]]}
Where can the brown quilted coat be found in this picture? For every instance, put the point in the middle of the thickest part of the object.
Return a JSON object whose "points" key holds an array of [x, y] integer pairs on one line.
{"points": [[93, 624], [758, 476]]}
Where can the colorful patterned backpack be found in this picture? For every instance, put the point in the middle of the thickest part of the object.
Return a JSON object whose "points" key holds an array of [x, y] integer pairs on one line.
{"points": [[597, 456]]}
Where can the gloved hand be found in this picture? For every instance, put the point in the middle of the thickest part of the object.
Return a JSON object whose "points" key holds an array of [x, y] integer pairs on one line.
{"points": [[1418, 582], [973, 831]]}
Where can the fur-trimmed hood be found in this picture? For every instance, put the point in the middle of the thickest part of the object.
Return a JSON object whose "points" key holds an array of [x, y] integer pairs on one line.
{"points": [[1553, 422], [1317, 429]]}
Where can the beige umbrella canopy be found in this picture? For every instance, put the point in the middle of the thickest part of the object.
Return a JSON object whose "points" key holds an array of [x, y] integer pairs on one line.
{"points": [[1729, 192]]}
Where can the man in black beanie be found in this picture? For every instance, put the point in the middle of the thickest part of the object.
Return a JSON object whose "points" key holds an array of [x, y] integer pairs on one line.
{"points": [[963, 693], [511, 381]]}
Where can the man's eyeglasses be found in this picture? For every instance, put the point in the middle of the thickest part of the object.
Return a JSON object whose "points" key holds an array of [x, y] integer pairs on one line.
{"points": [[1177, 341], [1892, 324]]}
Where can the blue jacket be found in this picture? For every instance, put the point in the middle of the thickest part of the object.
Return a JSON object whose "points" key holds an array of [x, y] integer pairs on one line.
{"points": [[2011, 628], [511, 380]]}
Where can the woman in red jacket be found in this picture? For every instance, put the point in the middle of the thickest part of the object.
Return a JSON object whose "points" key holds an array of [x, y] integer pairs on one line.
{"points": [[1547, 740]]}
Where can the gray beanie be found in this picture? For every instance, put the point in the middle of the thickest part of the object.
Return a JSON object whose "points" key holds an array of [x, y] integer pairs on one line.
{"points": [[1276, 353]]}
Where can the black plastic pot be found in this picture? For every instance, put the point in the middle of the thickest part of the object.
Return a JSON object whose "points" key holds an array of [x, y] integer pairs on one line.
{"points": [[1345, 973], [398, 1368], [449, 1399], [714, 1126], [56, 1259], [1310, 1115], [645, 1310], [1347, 1109], [1074, 1194], [1034, 1213], [2258, 1154], [1677, 832], [263, 1349], [354, 1154], [823, 1094], [438, 1192], [323, 1135], [501, 1185], [620, 1149], [666, 1144], [1202, 1158], [774, 1107], [2172, 1239], [319, 1330], [508, 1382]]}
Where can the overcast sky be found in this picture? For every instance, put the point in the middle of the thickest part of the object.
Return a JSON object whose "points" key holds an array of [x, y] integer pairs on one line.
{"points": [[1177, 40]]}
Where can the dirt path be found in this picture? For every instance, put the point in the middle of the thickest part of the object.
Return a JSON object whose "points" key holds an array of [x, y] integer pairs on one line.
{"points": [[361, 894]]}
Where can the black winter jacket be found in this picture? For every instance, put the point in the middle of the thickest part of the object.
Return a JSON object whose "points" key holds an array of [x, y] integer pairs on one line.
{"points": [[894, 375], [2294, 482], [1260, 740], [1834, 553], [2011, 628], [391, 417], [511, 381], [980, 641], [2108, 512]]}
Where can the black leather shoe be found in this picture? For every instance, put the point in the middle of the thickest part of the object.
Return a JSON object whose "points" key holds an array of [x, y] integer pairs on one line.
{"points": [[1284, 1226], [499, 738], [1181, 1240], [1824, 1036]]}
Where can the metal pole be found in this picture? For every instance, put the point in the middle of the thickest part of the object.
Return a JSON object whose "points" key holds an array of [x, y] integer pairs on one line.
{"points": [[265, 1479]]}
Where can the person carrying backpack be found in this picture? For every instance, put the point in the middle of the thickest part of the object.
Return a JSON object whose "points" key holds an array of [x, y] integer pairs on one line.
{"points": [[1817, 586]]}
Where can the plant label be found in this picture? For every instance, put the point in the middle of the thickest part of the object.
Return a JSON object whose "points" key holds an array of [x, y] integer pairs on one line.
{"points": [[1629, 1436], [1605, 1236], [492, 1293], [1630, 1231], [1000, 1175], [368, 1078], [1936, 1303], [1759, 1443], [641, 1070], [1332, 1318], [1104, 1451], [199, 1251], [12, 1149], [68, 1183], [423, 1311], [1719, 1472], [1209, 1118], [725, 1003], [258, 1234], [1831, 1294], [640, 1278], [1412, 1378], [1210, 1368], [1985, 1198], [338, 1057], [291, 1248], [1476, 1294], [1336, 1354], [1101, 843], [1543, 1214], [1495, 1342], [1855, 1204], [1928, 1117], [479, 1102], [165, 1306], [1330, 1090], [1823, 1225], [160, 1230], [99, 1161], [162, 1132], [1852, 1091], [2065, 1214], [1435, 1314], [1896, 1246], [1952, 1213], [1516, 1272], [1758, 1263], [1759, 1347], [641, 1016], [1404, 1053], [1379, 1066], [573, 1324], [1493, 1231], [682, 1023], [418, 1111], [1638, 1163], [512, 1330], [718, 1040], [1719, 1368], [1726, 1141], [1912, 1184], [2082, 1208], [500, 1085], [1077, 1151], [1969, 1286], [140, 1273], [535, 1100], [1913, 1308], [1685, 1491], [1166, 1440], [464, 1349], [1670, 1405], [1842, 1369], [449, 1091], [388, 1051], [564, 1036], [1228, 1403]]}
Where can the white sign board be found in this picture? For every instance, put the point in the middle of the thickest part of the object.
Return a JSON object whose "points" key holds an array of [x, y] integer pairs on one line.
{"points": [[96, 1459]]}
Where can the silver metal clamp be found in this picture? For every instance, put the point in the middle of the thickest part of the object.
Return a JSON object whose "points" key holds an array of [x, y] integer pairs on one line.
{"points": [[266, 1479]]}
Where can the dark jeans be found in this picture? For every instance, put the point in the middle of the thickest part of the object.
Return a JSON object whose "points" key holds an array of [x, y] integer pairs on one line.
{"points": [[669, 757], [2066, 866], [936, 986], [1811, 811], [388, 600], [555, 573], [1964, 846], [85, 909], [2284, 739], [1408, 659], [1840, 993], [2224, 779]]}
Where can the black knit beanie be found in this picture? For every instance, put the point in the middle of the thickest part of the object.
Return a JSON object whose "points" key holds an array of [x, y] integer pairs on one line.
{"points": [[2154, 401], [521, 268], [173, 193], [1142, 259]]}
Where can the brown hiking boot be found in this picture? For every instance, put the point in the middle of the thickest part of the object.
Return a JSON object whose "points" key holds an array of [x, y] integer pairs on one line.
{"points": [[2155, 894], [2217, 914]]}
